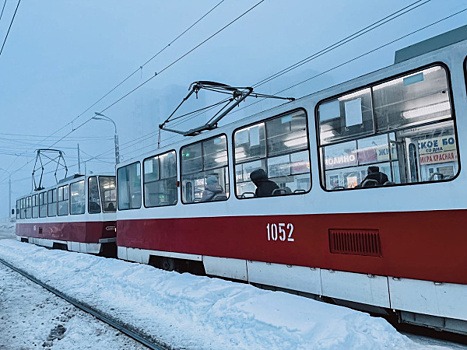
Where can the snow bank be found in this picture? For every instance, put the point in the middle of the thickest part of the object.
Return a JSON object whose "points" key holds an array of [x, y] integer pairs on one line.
{"points": [[193, 312]]}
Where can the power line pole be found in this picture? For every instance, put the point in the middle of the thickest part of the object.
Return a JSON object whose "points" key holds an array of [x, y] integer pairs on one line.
{"points": [[79, 161]]}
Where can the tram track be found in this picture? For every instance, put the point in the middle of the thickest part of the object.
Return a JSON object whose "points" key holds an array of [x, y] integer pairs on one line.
{"points": [[127, 329]]}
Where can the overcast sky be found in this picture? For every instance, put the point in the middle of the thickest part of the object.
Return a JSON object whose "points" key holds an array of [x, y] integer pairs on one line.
{"points": [[63, 56]]}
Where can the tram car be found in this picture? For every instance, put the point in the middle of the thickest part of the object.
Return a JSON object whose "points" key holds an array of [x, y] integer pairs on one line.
{"points": [[324, 227], [78, 214]]}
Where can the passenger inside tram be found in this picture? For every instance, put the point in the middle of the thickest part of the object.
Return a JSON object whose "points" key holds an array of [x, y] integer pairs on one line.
{"points": [[212, 190], [374, 178], [264, 186]]}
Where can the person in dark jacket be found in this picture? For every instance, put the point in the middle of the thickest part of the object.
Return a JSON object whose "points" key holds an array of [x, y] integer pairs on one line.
{"points": [[211, 189], [264, 186], [376, 175]]}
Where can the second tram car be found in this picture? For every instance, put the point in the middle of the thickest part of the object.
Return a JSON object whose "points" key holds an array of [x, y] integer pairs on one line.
{"points": [[78, 214], [397, 246]]}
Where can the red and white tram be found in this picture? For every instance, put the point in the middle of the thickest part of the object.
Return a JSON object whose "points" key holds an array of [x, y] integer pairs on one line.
{"points": [[399, 246], [78, 214]]}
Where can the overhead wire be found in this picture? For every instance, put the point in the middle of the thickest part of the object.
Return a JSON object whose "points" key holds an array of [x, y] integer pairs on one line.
{"points": [[129, 76], [182, 57], [9, 27], [341, 42], [3, 9], [156, 74], [359, 56], [346, 40]]}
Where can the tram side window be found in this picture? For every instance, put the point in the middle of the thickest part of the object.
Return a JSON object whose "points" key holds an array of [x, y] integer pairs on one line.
{"points": [[28, 207], [63, 200], [205, 175], [129, 186], [35, 206], [52, 202], [77, 198], [94, 201], [18, 209], [22, 208], [108, 193], [160, 180], [279, 147], [43, 204], [414, 139]]}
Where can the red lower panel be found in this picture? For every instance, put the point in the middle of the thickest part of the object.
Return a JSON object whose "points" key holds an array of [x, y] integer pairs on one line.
{"points": [[84, 232], [420, 245]]}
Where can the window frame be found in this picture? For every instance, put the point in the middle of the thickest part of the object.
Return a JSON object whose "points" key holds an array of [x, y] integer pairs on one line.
{"points": [[144, 182], [307, 149], [62, 189], [203, 169], [140, 187], [83, 197], [371, 85]]}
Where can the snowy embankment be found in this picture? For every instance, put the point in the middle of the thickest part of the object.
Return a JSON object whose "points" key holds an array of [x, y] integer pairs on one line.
{"points": [[192, 312]]}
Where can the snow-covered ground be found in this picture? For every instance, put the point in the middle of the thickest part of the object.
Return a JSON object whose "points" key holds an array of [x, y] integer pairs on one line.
{"points": [[185, 311]]}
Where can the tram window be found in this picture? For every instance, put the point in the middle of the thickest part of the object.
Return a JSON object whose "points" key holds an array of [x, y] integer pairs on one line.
{"points": [[94, 201], [108, 193], [283, 155], [129, 186], [160, 180], [22, 204], [77, 198], [63, 200], [43, 204], [205, 175], [52, 202], [412, 99], [18, 209], [250, 143], [346, 117], [28, 207], [415, 138], [35, 206]]}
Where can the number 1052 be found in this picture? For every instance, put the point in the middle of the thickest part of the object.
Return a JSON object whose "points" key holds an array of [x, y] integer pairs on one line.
{"points": [[281, 231]]}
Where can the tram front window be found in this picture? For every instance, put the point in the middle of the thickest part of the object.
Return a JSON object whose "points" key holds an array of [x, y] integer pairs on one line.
{"points": [[94, 202], [108, 193]]}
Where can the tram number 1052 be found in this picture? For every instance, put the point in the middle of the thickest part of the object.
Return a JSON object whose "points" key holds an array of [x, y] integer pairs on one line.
{"points": [[281, 231]]}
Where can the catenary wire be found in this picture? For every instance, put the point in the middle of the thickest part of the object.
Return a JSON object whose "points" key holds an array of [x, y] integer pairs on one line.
{"points": [[346, 40], [3, 9], [152, 77], [358, 57], [182, 57], [326, 50], [130, 75], [9, 27]]}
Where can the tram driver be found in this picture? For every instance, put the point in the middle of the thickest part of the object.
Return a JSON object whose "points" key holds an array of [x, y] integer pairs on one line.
{"points": [[264, 186]]}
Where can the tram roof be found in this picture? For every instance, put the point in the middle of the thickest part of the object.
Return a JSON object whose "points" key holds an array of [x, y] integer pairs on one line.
{"points": [[431, 44]]}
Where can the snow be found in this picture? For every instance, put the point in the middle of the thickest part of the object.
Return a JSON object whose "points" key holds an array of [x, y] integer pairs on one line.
{"points": [[185, 311]]}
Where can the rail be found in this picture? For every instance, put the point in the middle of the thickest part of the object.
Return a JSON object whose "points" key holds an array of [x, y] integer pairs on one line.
{"points": [[134, 333]]}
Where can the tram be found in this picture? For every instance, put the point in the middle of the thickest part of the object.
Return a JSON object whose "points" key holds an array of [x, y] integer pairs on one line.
{"points": [[397, 247], [77, 214]]}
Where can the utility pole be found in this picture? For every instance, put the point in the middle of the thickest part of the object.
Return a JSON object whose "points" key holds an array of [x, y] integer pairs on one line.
{"points": [[9, 192], [100, 116], [79, 161]]}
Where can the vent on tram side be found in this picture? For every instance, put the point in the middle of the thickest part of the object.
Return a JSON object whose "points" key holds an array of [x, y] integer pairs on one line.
{"points": [[358, 242]]}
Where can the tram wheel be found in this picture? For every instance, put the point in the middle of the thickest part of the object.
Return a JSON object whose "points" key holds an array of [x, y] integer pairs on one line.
{"points": [[168, 264]]}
